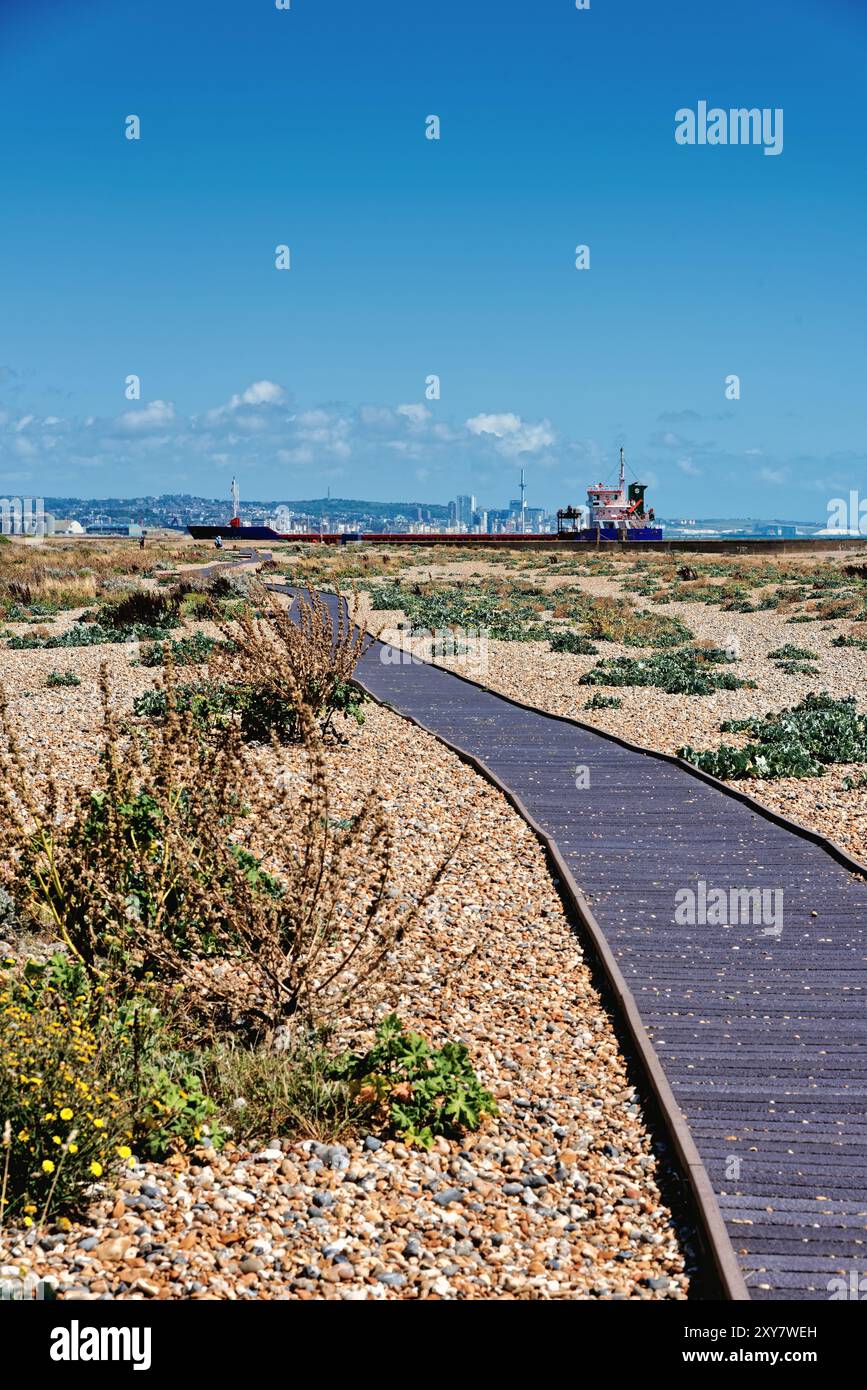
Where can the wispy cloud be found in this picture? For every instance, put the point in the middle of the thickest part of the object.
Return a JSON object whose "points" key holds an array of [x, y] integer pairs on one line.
{"points": [[774, 475]]}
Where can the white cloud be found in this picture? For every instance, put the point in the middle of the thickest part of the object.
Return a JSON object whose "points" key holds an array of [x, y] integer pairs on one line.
{"points": [[494, 424], [262, 436], [415, 413], [155, 414], [515, 435], [375, 415], [260, 393]]}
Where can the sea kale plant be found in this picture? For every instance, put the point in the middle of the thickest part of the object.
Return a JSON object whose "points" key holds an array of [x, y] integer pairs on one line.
{"points": [[797, 742], [684, 672], [498, 612]]}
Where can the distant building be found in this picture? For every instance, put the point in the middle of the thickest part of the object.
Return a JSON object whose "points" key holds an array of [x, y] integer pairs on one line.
{"points": [[466, 506]]}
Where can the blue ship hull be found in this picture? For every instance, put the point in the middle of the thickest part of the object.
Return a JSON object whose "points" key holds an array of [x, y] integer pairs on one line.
{"points": [[614, 533]]}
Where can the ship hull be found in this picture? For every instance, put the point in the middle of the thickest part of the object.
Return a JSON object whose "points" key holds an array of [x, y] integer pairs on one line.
{"points": [[235, 533], [617, 533], [590, 535]]}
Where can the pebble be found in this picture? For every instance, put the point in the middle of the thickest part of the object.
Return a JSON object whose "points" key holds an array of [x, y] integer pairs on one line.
{"points": [[492, 962]]}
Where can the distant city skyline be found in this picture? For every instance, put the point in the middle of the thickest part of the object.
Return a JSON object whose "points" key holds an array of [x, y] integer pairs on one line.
{"points": [[174, 509], [433, 334]]}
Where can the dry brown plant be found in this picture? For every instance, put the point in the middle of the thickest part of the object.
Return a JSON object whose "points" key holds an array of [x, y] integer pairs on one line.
{"points": [[303, 655], [203, 869]]}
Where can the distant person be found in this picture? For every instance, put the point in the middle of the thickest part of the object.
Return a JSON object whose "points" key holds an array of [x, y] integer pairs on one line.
{"points": [[141, 540], [218, 542]]}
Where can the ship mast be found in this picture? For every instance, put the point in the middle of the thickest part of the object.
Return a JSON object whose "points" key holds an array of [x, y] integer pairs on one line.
{"points": [[622, 472]]}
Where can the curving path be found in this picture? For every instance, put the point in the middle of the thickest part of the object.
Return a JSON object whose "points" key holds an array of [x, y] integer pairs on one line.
{"points": [[756, 1019]]}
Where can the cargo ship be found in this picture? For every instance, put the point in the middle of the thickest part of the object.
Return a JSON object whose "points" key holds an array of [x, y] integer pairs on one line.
{"points": [[611, 514]]}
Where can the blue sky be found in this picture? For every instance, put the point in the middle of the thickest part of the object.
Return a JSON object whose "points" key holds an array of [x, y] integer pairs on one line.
{"points": [[413, 257]]}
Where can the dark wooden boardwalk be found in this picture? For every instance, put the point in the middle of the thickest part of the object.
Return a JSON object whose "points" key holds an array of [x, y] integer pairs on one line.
{"points": [[760, 1026], [758, 1020]]}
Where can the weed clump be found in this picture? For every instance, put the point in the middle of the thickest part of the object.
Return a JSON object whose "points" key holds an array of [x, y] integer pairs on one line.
{"points": [[573, 643], [798, 742], [677, 673]]}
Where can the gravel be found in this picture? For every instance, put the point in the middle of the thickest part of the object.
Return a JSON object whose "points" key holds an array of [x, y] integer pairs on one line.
{"points": [[560, 1196], [532, 673]]}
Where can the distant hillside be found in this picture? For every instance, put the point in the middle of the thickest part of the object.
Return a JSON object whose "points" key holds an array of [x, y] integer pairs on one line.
{"points": [[314, 506], [333, 506]]}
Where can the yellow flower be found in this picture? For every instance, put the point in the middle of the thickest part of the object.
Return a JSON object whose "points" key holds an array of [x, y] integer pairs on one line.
{"points": [[66, 1113], [124, 1151], [23, 1135], [99, 1124], [73, 1148], [56, 1139], [47, 1166], [28, 1221], [96, 1169]]}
